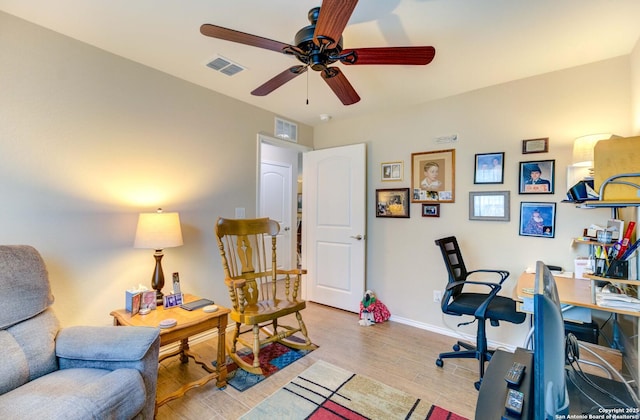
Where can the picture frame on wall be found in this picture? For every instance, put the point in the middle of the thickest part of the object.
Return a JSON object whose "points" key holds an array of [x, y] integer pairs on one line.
{"points": [[538, 219], [489, 168], [393, 202], [433, 176], [391, 171], [430, 210], [490, 205], [540, 145], [537, 177]]}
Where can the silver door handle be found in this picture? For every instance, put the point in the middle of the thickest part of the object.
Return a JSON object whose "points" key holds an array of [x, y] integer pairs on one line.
{"points": [[357, 237]]}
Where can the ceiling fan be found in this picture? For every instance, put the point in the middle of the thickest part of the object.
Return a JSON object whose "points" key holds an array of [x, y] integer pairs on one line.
{"points": [[319, 45]]}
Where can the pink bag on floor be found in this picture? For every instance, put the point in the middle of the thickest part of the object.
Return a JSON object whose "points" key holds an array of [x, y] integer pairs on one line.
{"points": [[372, 311]]}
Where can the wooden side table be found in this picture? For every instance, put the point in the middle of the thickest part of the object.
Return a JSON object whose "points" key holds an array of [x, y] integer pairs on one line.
{"points": [[189, 323]]}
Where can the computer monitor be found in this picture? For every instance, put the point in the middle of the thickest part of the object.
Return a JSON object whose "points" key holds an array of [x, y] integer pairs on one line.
{"points": [[549, 380]]}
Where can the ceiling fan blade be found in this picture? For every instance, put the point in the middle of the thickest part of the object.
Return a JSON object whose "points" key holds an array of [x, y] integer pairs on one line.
{"points": [[242, 38], [334, 15], [339, 84], [279, 80], [389, 55]]}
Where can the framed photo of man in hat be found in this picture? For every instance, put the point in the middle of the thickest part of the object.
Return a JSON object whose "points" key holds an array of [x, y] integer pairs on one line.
{"points": [[537, 177]]}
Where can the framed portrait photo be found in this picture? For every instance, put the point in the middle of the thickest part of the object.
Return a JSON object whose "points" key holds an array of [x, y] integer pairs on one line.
{"points": [[392, 202], [489, 205], [540, 145], [433, 176], [391, 171], [489, 168], [430, 210], [537, 177], [538, 219]]}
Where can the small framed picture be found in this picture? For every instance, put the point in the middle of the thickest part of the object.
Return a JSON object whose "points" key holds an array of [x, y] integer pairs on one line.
{"points": [[148, 300], [538, 219], [490, 206], [430, 210], [489, 168], [172, 300], [391, 171], [433, 176], [537, 177], [535, 145], [392, 202]]}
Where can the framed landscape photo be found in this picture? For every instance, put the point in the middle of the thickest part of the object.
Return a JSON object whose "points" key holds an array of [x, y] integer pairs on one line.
{"points": [[538, 219], [540, 145], [392, 202], [537, 177], [489, 168], [433, 176], [391, 171], [490, 206], [430, 210]]}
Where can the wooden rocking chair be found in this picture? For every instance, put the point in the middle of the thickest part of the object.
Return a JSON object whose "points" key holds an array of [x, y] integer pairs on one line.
{"points": [[260, 292]]}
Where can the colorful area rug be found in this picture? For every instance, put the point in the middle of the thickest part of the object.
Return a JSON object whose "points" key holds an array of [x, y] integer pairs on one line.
{"points": [[273, 357], [326, 392]]}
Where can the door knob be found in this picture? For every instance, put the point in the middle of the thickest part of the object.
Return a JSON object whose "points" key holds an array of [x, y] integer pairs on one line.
{"points": [[357, 237]]}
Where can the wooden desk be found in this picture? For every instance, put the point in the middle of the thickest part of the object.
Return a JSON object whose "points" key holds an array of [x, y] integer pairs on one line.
{"points": [[571, 291], [189, 324]]}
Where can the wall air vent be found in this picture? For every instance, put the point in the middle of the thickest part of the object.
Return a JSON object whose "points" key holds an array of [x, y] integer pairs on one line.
{"points": [[286, 130], [225, 66]]}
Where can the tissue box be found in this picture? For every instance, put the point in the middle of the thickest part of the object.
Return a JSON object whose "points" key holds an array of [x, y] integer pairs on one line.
{"points": [[132, 301]]}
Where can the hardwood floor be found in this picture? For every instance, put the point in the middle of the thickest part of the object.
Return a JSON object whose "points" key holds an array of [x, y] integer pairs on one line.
{"points": [[395, 354]]}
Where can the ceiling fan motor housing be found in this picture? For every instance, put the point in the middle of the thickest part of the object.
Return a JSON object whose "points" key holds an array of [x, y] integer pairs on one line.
{"points": [[316, 56]]}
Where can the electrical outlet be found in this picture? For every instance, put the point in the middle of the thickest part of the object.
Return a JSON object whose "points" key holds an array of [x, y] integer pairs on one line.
{"points": [[437, 296]]}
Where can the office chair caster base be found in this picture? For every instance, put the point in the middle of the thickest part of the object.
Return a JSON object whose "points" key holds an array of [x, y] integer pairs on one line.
{"points": [[456, 347], [439, 362], [477, 385]]}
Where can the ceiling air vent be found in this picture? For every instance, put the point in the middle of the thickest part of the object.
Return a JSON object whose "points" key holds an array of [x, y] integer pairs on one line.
{"points": [[225, 66], [286, 130]]}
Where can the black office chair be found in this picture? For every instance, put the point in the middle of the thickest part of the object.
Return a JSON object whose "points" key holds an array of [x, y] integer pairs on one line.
{"points": [[482, 306]]}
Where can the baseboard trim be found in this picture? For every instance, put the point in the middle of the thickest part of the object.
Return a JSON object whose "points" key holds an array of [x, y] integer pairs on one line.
{"points": [[448, 332]]}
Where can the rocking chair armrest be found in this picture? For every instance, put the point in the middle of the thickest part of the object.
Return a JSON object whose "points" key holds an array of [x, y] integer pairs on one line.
{"points": [[295, 271], [235, 283]]}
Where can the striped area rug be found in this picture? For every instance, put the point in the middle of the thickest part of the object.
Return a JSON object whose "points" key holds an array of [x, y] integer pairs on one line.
{"points": [[325, 392]]}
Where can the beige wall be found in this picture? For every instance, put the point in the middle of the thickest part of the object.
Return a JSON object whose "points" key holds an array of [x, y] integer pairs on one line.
{"points": [[404, 266], [635, 87], [88, 140]]}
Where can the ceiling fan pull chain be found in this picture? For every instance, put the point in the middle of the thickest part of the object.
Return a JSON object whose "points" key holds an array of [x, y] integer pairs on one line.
{"points": [[307, 88]]}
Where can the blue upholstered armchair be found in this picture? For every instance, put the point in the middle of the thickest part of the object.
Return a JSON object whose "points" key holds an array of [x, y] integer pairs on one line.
{"points": [[71, 373]]}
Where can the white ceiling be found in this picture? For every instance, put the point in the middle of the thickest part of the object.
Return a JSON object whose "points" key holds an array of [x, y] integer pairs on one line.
{"points": [[478, 43]]}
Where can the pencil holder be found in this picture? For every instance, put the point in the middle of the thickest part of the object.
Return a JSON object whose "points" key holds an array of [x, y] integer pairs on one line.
{"points": [[618, 269]]}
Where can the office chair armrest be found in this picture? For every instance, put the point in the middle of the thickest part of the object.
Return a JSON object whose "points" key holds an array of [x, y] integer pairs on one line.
{"points": [[502, 273], [495, 287]]}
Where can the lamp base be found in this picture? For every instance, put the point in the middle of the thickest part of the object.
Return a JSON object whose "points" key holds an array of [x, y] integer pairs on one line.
{"points": [[157, 281]]}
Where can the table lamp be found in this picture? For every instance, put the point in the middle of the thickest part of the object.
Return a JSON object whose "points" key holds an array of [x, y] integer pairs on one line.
{"points": [[158, 231]]}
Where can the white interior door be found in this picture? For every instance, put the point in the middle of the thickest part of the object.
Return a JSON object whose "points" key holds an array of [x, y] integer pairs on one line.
{"points": [[334, 225], [276, 185]]}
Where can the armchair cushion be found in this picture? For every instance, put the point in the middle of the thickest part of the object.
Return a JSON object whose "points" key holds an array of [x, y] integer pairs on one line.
{"points": [[77, 394]]}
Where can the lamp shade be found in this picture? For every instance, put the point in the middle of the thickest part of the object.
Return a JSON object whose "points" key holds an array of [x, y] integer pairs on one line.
{"points": [[158, 231], [583, 148]]}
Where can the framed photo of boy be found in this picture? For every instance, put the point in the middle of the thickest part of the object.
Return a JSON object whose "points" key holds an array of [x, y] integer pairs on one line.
{"points": [[392, 202], [538, 219], [391, 171], [433, 176], [537, 177], [489, 168]]}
